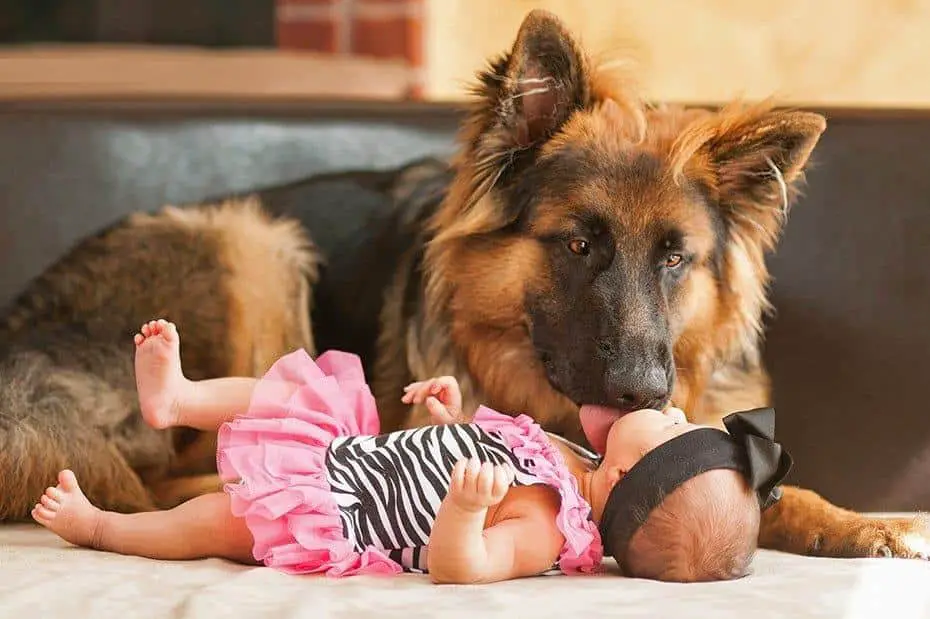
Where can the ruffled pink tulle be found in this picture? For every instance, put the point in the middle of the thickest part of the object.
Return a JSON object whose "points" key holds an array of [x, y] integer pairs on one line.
{"points": [[274, 458], [583, 550]]}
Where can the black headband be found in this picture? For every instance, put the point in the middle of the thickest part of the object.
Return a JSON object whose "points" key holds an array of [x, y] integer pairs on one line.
{"points": [[749, 448]]}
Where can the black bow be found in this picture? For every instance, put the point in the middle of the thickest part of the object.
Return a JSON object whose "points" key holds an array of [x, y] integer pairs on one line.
{"points": [[767, 462]]}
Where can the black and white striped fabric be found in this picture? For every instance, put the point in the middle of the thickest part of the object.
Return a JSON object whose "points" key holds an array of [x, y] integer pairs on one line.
{"points": [[389, 487]]}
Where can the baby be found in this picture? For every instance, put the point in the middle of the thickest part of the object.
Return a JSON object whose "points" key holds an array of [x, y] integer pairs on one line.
{"points": [[684, 512], [314, 488]]}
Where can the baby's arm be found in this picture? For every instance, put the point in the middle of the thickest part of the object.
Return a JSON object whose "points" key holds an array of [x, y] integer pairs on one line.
{"points": [[523, 539]]}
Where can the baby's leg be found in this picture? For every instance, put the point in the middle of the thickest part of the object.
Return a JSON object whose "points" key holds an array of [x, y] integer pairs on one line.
{"points": [[168, 398], [200, 528]]}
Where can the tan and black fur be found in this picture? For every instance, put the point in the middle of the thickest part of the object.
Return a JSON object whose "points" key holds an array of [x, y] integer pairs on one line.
{"points": [[238, 285], [583, 248], [594, 250]]}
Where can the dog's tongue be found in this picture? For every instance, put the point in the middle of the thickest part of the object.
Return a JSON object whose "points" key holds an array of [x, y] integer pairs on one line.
{"points": [[596, 422]]}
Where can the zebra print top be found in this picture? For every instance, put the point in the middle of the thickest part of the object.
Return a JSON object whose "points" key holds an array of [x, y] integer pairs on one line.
{"points": [[389, 487]]}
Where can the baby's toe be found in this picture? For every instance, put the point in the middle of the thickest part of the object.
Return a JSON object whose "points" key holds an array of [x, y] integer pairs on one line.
{"points": [[56, 494], [169, 331], [49, 503], [42, 514], [68, 481]]}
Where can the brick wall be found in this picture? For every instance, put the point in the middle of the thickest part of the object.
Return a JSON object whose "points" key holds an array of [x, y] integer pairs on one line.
{"points": [[374, 28]]}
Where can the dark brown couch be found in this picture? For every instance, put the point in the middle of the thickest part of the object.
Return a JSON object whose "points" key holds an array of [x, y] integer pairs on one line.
{"points": [[852, 289]]}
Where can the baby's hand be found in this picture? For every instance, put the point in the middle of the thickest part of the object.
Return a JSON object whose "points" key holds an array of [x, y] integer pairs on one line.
{"points": [[475, 486], [442, 396]]}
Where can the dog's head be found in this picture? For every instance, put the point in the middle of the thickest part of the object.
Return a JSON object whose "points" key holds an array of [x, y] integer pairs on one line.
{"points": [[590, 244]]}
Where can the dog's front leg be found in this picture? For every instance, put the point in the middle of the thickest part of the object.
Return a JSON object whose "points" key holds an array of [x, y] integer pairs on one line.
{"points": [[803, 522]]}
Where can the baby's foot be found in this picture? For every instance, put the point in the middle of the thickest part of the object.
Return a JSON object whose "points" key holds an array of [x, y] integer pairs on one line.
{"points": [[66, 511], [159, 379]]}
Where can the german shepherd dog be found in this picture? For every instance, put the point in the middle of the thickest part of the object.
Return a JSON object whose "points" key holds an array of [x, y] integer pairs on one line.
{"points": [[583, 252]]}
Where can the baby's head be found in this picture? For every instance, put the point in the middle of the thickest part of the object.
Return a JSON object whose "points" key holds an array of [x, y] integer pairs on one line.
{"points": [[674, 500]]}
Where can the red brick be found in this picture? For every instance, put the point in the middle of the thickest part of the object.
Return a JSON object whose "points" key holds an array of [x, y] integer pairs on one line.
{"points": [[319, 35], [388, 38]]}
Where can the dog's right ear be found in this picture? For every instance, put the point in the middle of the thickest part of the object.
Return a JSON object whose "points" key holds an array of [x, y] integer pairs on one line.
{"points": [[527, 95]]}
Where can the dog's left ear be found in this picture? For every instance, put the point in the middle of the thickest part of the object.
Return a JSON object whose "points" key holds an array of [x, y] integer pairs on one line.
{"points": [[757, 161]]}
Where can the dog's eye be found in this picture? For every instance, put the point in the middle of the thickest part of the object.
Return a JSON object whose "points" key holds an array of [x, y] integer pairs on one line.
{"points": [[580, 247], [673, 261]]}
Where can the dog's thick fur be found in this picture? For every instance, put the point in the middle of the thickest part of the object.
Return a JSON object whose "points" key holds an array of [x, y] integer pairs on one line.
{"points": [[582, 249], [236, 282]]}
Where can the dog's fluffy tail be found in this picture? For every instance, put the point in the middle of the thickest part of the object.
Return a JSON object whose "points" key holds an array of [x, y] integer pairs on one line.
{"points": [[72, 407]]}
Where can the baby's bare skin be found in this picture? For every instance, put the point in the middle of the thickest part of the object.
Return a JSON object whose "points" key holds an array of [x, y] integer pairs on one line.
{"points": [[66, 511], [160, 382]]}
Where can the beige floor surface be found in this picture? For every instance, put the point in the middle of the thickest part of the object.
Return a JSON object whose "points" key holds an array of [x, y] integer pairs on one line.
{"points": [[43, 577]]}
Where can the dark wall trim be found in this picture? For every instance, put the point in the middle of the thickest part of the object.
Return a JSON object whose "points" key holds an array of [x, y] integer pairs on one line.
{"points": [[336, 109]]}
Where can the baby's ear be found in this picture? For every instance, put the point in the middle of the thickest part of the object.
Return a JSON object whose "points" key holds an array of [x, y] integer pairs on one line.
{"points": [[615, 473]]}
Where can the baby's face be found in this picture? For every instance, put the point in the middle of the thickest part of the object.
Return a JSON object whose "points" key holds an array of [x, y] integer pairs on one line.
{"points": [[629, 439], [635, 434]]}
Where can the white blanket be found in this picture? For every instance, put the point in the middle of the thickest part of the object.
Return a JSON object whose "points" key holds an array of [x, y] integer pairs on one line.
{"points": [[43, 578]]}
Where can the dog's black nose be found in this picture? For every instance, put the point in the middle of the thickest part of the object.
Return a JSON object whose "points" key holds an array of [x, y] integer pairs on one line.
{"points": [[648, 388]]}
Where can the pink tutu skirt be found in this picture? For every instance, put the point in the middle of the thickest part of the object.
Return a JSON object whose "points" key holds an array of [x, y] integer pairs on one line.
{"points": [[273, 460]]}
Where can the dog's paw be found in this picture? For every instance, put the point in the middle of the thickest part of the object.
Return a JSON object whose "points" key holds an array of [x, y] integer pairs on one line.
{"points": [[861, 536]]}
